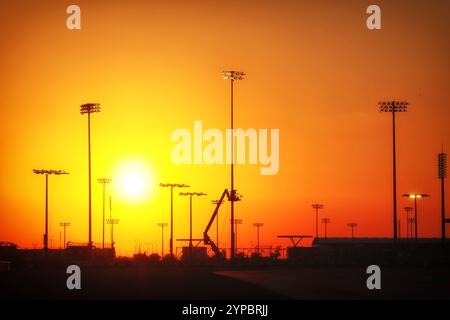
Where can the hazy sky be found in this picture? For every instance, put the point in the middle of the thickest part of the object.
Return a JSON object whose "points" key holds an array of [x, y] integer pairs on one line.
{"points": [[314, 71]]}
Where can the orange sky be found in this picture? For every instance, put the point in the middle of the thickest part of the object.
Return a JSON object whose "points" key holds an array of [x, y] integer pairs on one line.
{"points": [[314, 71]]}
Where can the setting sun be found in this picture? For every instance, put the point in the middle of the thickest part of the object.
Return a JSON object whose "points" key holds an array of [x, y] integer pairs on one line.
{"points": [[134, 180]]}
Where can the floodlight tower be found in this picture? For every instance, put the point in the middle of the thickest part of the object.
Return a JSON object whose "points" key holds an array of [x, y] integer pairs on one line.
{"points": [[47, 173], [103, 181], [89, 108], [352, 225], [232, 76], [394, 107], [408, 210], [190, 195], [112, 222], [258, 225], [326, 221], [415, 196], [162, 225], [236, 222], [171, 186], [442, 166], [64, 225], [317, 206]]}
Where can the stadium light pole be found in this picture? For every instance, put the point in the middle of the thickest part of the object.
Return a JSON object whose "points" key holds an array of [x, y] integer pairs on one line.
{"points": [[89, 108], [103, 181], [317, 206], [236, 222], [258, 226], [162, 225], [64, 225], [171, 186], [190, 195], [326, 221], [47, 173], [408, 210], [232, 76], [415, 196], [352, 225], [442, 167], [393, 107], [112, 222]]}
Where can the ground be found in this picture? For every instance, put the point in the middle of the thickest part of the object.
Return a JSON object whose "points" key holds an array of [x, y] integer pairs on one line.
{"points": [[205, 283]]}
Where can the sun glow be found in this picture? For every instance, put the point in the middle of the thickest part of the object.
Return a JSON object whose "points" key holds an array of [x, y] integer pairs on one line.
{"points": [[134, 180]]}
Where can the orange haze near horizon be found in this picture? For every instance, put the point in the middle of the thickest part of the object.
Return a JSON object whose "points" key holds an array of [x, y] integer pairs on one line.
{"points": [[314, 71]]}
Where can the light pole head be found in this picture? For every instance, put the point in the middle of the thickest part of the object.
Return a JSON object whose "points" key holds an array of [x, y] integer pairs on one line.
{"points": [[56, 172], [415, 195], [90, 108], [174, 185], [258, 224], [238, 221], [162, 224], [198, 194], [104, 180], [64, 224], [317, 206], [233, 75], [326, 220], [112, 221], [352, 224], [393, 106]]}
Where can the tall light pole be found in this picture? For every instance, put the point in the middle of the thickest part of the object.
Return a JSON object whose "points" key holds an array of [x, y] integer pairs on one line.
{"points": [[415, 196], [104, 181], [112, 222], [393, 107], [442, 167], [317, 206], [47, 173], [89, 108], [236, 222], [408, 210], [326, 221], [64, 225], [232, 76], [162, 225], [258, 225], [171, 186], [352, 226], [190, 195]]}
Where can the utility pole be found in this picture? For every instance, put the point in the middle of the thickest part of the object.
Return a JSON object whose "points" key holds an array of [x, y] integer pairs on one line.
{"points": [[171, 186], [352, 225], [162, 225], [47, 173], [317, 206], [89, 108], [393, 107], [232, 76]]}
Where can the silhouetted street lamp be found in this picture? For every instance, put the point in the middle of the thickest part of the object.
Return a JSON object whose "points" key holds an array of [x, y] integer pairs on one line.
{"points": [[326, 221], [64, 225], [103, 181], [352, 226], [47, 173], [232, 76], [415, 196], [317, 206], [162, 225], [258, 226], [408, 228], [190, 195], [171, 186], [394, 107], [89, 108]]}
